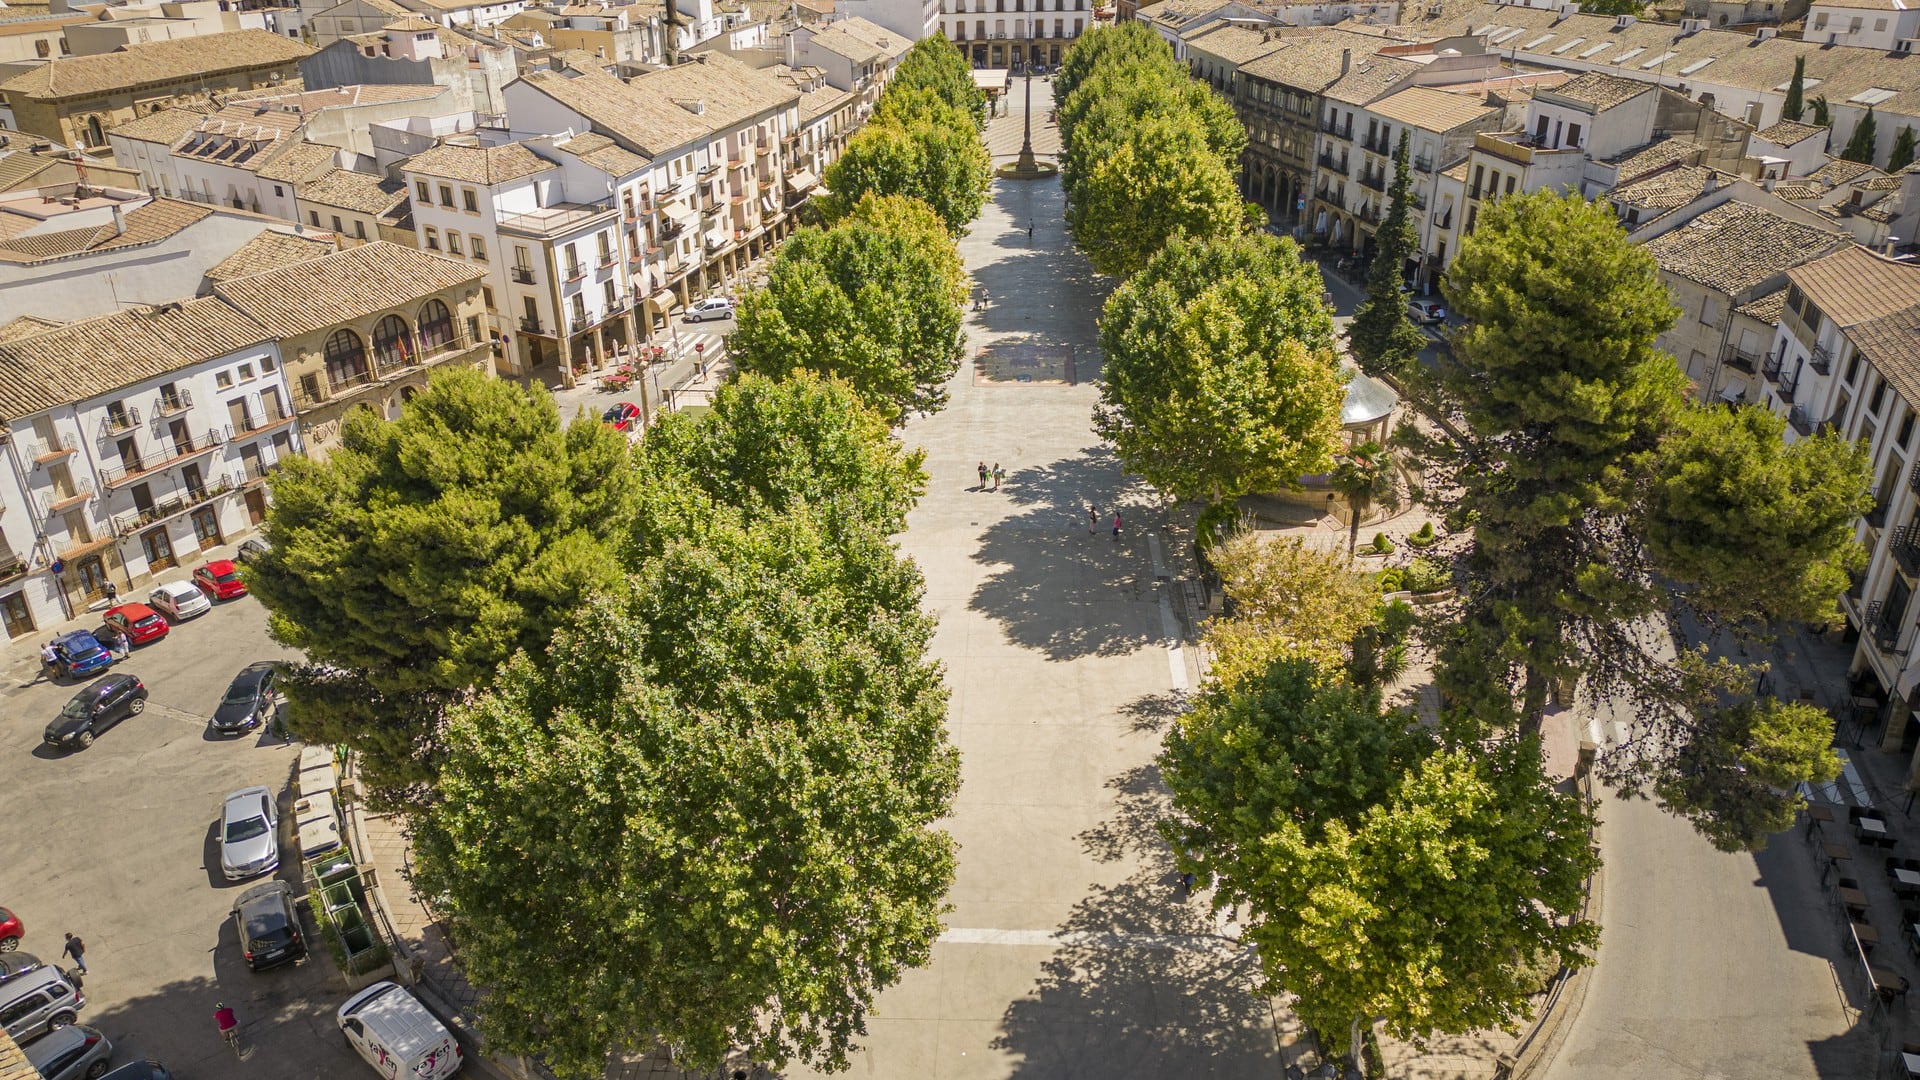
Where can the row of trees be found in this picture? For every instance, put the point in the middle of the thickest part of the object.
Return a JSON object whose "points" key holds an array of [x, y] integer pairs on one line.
{"points": [[1148, 153], [663, 718]]}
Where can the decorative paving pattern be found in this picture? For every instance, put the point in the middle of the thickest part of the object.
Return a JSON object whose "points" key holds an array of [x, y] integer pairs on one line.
{"points": [[1021, 364]]}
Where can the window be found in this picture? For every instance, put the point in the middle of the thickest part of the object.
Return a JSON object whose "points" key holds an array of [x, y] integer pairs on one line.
{"points": [[433, 238], [392, 343], [224, 379], [246, 372], [346, 357], [1479, 175], [1573, 135], [314, 217], [606, 248], [1510, 181], [336, 224], [486, 295], [41, 48], [446, 196], [1820, 21], [1879, 397], [436, 326], [266, 364], [453, 243], [359, 229], [607, 294], [473, 201], [478, 247], [276, 191], [421, 190], [1879, 25], [1853, 362], [1906, 430]]}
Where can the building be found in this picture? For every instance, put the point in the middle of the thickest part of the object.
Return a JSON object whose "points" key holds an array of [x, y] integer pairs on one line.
{"points": [[471, 66], [1016, 35], [77, 100], [1882, 25], [133, 440], [28, 164], [356, 207], [852, 54], [911, 19], [364, 327]]}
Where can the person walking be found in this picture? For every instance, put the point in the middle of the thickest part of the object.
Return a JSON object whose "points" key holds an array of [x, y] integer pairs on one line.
{"points": [[1029, 230], [983, 476], [118, 641], [78, 950], [113, 594], [1116, 524], [999, 474], [1093, 518]]}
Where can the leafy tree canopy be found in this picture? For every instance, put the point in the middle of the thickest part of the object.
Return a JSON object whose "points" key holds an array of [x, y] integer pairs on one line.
{"points": [[1219, 376], [934, 64], [923, 147], [1160, 182], [1288, 600], [1380, 337], [1737, 777], [425, 551]]}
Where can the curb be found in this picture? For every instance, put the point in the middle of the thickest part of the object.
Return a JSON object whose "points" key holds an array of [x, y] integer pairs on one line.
{"points": [[1542, 1044]]}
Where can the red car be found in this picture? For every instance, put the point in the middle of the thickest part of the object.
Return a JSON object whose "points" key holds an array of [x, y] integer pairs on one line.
{"points": [[220, 579], [11, 931], [139, 622], [621, 416]]}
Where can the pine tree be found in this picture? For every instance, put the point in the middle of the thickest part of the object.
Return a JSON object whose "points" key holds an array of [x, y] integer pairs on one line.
{"points": [[1795, 104], [1822, 112], [1860, 146], [1903, 147], [1381, 338]]}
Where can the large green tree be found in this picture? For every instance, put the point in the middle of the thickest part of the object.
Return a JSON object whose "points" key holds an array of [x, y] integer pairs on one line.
{"points": [[425, 551], [1904, 144], [921, 146], [876, 306], [1219, 378], [1380, 337], [707, 814], [934, 64], [1383, 876], [1795, 105], [1861, 144], [1599, 498]]}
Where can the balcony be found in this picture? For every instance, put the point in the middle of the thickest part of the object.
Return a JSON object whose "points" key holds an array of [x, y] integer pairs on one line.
{"points": [[1821, 360], [176, 452], [1787, 388], [1740, 359], [119, 421], [1373, 182], [607, 259], [1905, 547], [1444, 221], [530, 325], [255, 473], [1884, 627], [1377, 146], [1335, 199], [522, 274], [133, 521], [1913, 479], [1770, 369], [1423, 164], [43, 452], [1801, 421], [576, 271], [1335, 130], [1328, 161], [53, 502], [180, 400], [1876, 517]]}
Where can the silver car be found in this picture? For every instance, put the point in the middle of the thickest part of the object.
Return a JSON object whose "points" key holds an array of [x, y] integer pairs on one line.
{"points": [[72, 1053], [249, 834], [179, 600]]}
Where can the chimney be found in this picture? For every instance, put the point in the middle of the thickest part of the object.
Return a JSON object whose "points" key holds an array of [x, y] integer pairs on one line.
{"points": [[1346, 60], [119, 220]]}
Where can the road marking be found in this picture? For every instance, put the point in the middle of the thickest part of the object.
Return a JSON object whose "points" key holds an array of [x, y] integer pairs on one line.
{"points": [[1176, 654], [1153, 549], [1085, 938]]}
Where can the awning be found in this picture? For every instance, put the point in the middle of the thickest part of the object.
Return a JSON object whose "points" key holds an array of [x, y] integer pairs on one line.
{"points": [[680, 212], [663, 299], [802, 180], [717, 239], [1733, 392], [769, 203]]}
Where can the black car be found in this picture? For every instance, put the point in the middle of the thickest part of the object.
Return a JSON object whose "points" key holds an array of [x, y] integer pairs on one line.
{"points": [[250, 699], [269, 930], [104, 703]]}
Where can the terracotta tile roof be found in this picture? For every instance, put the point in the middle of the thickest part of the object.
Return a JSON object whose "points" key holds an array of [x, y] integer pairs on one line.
{"points": [[167, 126], [478, 165], [271, 250], [604, 154], [1599, 91], [1840, 171], [645, 115], [91, 357], [1735, 247], [411, 22], [155, 63], [348, 190], [1891, 343], [1766, 308], [1853, 285], [1312, 63], [25, 326], [297, 162], [1234, 44], [1799, 192], [1653, 157], [341, 287], [1789, 133], [1368, 78], [860, 41], [1880, 183], [817, 103], [146, 224], [1667, 189], [1180, 12], [1431, 110]]}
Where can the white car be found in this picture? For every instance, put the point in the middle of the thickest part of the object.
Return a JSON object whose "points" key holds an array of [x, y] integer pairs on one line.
{"points": [[249, 834], [179, 601], [397, 1035], [713, 307]]}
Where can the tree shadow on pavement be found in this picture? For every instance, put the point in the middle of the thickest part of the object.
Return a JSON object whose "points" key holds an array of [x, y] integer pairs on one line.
{"points": [[1055, 588], [1133, 830], [286, 1015]]}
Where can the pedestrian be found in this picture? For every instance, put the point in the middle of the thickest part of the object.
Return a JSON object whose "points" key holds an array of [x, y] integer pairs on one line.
{"points": [[1116, 524], [1186, 884], [999, 474], [78, 950], [118, 641], [983, 301], [983, 476], [1029, 230], [113, 594], [1093, 518], [49, 662]]}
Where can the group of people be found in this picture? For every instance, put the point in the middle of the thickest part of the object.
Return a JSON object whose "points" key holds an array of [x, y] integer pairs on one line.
{"points": [[991, 476], [1093, 520]]}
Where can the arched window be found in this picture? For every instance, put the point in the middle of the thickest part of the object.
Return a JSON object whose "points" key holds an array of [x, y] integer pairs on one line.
{"points": [[95, 137], [392, 344], [436, 327], [346, 359]]}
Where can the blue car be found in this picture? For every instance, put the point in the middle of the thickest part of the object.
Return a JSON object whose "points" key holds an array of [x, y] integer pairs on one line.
{"points": [[80, 654]]}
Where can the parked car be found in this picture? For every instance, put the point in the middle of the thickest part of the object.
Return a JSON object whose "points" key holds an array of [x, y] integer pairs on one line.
{"points": [[621, 415], [79, 653], [36, 1004], [72, 1053], [140, 1070], [139, 622], [250, 699], [252, 548], [1427, 312], [179, 600], [268, 928], [249, 834], [11, 930], [220, 579], [713, 307], [100, 705], [397, 1035], [16, 963]]}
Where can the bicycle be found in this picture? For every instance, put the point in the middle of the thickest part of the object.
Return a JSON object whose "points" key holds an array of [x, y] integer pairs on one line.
{"points": [[229, 1027]]}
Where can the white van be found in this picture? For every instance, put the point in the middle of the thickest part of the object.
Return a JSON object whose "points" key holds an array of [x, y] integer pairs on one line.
{"points": [[397, 1035]]}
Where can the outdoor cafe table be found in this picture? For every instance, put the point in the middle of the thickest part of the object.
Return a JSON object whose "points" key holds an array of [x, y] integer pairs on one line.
{"points": [[1907, 877], [1912, 1063], [1871, 825], [1853, 898], [1867, 934]]}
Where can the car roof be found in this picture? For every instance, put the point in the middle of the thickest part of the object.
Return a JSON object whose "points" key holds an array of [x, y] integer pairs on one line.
{"points": [[219, 566], [255, 672], [31, 981], [104, 682], [138, 1070], [262, 893], [132, 612], [405, 1025], [77, 637], [258, 791], [178, 588], [57, 1042]]}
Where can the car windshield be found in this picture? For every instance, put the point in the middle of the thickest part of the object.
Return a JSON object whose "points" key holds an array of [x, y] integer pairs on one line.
{"points": [[81, 705], [246, 829], [240, 693], [268, 930]]}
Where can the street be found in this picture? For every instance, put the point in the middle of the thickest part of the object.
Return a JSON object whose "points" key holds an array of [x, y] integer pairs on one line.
{"points": [[116, 844]]}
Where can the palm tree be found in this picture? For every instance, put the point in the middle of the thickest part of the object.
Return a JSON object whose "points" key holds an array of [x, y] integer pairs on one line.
{"points": [[1362, 477]]}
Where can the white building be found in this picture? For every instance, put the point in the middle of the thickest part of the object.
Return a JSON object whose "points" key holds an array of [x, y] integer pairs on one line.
{"points": [[912, 19], [1885, 25]]}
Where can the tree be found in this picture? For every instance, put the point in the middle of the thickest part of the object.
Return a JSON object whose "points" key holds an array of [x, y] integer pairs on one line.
{"points": [[1361, 477], [1106, 48], [934, 64], [933, 153], [1218, 376], [1160, 182], [879, 308], [1380, 875], [707, 814], [1738, 776], [1861, 144], [1380, 337], [1795, 105], [1286, 600], [1822, 112], [427, 550], [1903, 150]]}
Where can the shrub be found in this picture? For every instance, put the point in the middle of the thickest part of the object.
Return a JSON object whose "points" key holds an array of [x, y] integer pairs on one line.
{"points": [[1382, 545], [1390, 580], [1425, 574], [1424, 538]]}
